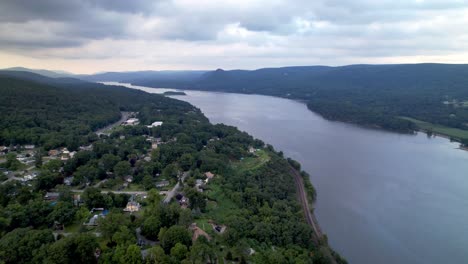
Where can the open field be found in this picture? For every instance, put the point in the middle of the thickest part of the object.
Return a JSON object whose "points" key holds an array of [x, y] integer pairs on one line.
{"points": [[443, 130]]}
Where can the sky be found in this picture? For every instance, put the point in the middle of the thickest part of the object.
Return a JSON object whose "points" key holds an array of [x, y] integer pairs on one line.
{"points": [[87, 36]]}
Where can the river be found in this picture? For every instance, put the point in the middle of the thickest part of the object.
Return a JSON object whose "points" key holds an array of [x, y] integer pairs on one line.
{"points": [[382, 197]]}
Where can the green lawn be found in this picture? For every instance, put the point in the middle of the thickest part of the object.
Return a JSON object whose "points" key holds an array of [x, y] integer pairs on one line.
{"points": [[448, 131], [252, 163]]}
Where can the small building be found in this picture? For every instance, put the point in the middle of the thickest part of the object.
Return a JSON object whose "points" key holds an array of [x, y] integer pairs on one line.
{"points": [[77, 199], [209, 176], [29, 146], [184, 202], [154, 145], [51, 196], [53, 152], [89, 147], [161, 184], [252, 150], [199, 183], [132, 206], [131, 122], [68, 181], [155, 124], [128, 178]]}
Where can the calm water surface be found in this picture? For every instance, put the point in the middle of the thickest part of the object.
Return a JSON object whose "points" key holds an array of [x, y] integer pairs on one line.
{"points": [[382, 197]]}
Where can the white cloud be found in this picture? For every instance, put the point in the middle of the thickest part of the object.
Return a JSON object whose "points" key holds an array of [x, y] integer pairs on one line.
{"points": [[205, 34]]}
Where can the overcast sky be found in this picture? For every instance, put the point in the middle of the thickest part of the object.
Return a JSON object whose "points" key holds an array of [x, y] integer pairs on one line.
{"points": [[85, 36]]}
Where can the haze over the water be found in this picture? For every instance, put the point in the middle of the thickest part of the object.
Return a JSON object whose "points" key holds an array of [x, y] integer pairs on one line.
{"points": [[86, 36]]}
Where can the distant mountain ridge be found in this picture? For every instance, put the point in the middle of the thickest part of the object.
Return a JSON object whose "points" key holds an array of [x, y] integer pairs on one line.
{"points": [[47, 73], [370, 95], [389, 96]]}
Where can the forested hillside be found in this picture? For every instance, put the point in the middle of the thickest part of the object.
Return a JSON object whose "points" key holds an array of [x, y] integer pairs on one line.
{"points": [[372, 95], [185, 191], [63, 112]]}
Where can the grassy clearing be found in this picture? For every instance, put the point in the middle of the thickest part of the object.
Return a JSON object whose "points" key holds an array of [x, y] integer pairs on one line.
{"points": [[224, 205], [448, 131], [252, 163]]}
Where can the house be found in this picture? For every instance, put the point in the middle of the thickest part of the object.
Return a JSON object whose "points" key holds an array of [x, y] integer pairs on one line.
{"points": [[30, 177], [128, 178], [199, 185], [53, 152], [154, 145], [209, 176], [68, 181], [184, 202], [155, 124], [29, 146], [131, 122], [76, 199], [161, 184], [89, 147], [251, 150], [147, 159], [51, 196], [132, 206], [65, 155]]}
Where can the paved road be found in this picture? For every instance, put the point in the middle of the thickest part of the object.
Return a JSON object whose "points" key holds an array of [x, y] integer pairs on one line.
{"points": [[118, 192], [174, 190], [123, 118]]}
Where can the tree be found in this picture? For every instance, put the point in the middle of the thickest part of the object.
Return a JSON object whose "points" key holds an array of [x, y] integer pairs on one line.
{"points": [[186, 161], [151, 226], [52, 165], [38, 159], [20, 245], [112, 223], [153, 197], [122, 169], [173, 235], [12, 163], [156, 255], [147, 182], [93, 198], [108, 161], [77, 248], [47, 180], [202, 252], [86, 173], [171, 171], [123, 254], [63, 213], [124, 236], [179, 252], [82, 214]]}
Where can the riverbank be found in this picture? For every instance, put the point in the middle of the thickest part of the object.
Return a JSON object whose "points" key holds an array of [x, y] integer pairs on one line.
{"points": [[377, 191]]}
